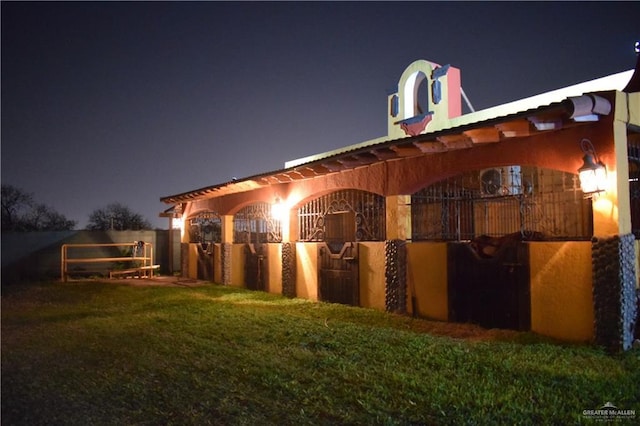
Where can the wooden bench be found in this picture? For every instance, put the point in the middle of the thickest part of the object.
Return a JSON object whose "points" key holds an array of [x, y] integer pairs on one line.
{"points": [[139, 271], [144, 258]]}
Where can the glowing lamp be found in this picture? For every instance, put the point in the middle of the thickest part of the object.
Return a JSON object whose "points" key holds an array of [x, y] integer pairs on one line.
{"points": [[593, 173], [277, 209]]}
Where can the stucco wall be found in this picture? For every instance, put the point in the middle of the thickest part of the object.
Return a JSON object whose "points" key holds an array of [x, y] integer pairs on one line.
{"points": [[561, 290], [306, 271], [193, 261], [372, 278], [237, 265], [274, 257], [217, 263], [427, 280]]}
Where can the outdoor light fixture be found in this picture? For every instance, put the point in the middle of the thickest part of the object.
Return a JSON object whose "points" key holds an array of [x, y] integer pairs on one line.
{"points": [[593, 173], [277, 209]]}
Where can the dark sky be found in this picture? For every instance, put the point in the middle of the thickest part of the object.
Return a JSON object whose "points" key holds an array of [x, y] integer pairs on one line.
{"points": [[128, 102]]}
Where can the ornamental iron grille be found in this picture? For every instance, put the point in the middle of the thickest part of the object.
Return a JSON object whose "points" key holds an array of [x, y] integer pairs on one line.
{"points": [[205, 227], [254, 225], [345, 215], [535, 202]]}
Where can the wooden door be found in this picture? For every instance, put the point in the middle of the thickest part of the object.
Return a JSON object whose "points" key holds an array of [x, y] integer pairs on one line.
{"points": [[255, 267], [205, 261], [338, 273], [493, 292]]}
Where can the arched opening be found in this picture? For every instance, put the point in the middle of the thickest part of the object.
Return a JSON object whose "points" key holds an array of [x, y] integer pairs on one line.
{"points": [[535, 202], [255, 227], [346, 215], [416, 95], [205, 230], [422, 102], [338, 221]]}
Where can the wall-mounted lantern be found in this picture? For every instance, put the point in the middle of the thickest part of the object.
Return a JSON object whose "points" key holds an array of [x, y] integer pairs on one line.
{"points": [[176, 223], [277, 209], [593, 173]]}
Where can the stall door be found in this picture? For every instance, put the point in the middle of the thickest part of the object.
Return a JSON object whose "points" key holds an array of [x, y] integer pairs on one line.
{"points": [[338, 260], [205, 261], [493, 292], [255, 267]]}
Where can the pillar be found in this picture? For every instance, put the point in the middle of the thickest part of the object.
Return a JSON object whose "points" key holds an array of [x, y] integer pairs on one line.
{"points": [[227, 248], [613, 244], [398, 217]]}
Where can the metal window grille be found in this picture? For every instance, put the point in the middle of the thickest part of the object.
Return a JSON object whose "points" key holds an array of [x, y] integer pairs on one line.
{"points": [[501, 201], [347, 215], [206, 227], [254, 224]]}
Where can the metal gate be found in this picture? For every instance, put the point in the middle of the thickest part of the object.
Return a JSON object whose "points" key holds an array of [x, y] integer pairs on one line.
{"points": [[491, 291], [255, 267], [337, 221], [254, 227], [205, 261], [338, 273]]}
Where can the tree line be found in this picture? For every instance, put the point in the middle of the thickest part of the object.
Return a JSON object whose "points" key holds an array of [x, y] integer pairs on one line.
{"points": [[22, 213]]}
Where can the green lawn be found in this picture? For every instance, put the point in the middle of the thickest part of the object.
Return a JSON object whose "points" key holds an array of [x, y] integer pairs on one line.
{"points": [[108, 354]]}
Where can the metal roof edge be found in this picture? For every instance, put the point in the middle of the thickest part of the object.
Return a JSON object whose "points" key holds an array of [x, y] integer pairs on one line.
{"points": [[614, 82], [611, 82]]}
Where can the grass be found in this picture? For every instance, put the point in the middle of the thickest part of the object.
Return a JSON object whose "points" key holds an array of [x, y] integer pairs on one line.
{"points": [[111, 354]]}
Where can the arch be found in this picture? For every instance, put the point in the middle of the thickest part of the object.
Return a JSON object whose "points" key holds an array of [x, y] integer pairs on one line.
{"points": [[204, 226], [254, 224], [410, 94], [365, 210], [408, 85], [538, 203], [545, 150]]}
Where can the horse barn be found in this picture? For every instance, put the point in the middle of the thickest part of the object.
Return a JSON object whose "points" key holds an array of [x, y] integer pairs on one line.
{"points": [[523, 216]]}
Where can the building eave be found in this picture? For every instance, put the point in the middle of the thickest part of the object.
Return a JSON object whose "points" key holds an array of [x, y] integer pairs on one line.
{"points": [[546, 112]]}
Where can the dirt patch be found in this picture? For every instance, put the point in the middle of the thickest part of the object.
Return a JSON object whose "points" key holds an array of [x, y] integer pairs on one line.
{"points": [[464, 331]]}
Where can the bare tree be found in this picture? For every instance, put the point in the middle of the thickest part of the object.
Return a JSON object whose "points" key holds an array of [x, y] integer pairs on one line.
{"points": [[21, 213], [116, 216]]}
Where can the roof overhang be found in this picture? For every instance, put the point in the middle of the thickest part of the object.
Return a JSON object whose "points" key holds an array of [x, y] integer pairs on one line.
{"points": [[551, 111]]}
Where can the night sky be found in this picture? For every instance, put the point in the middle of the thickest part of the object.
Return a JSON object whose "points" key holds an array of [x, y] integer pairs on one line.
{"points": [[128, 102]]}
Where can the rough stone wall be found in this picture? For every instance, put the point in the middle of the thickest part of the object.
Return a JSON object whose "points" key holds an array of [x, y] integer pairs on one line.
{"points": [[288, 270], [184, 259], [226, 256], [614, 291], [395, 276]]}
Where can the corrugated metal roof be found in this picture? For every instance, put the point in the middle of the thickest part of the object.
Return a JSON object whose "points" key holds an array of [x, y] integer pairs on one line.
{"points": [[381, 149]]}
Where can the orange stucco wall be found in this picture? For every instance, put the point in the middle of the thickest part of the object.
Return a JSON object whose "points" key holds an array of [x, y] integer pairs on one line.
{"points": [[274, 257], [193, 261], [237, 265], [372, 278], [427, 280], [561, 290], [306, 271]]}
